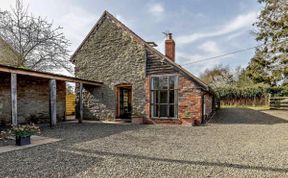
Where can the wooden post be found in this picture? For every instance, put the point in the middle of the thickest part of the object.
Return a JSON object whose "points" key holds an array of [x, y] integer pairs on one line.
{"points": [[80, 119], [269, 100], [52, 103], [65, 112], [14, 99]]}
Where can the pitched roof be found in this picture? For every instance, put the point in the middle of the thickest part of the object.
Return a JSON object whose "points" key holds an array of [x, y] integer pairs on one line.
{"points": [[106, 14]]}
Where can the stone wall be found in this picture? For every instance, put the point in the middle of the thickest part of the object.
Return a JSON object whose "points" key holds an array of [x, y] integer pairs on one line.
{"points": [[112, 56], [7, 55], [33, 99]]}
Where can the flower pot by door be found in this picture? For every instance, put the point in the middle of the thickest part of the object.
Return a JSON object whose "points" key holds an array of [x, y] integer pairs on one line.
{"points": [[20, 141]]}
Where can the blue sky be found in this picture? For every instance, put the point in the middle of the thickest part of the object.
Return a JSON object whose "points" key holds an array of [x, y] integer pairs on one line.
{"points": [[201, 28]]}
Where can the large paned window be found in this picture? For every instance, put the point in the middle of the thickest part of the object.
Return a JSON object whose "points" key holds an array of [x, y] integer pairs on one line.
{"points": [[164, 96]]}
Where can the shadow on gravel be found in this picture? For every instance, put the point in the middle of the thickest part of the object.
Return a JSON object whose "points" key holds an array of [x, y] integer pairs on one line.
{"points": [[77, 133], [198, 163], [244, 116], [39, 162], [47, 161]]}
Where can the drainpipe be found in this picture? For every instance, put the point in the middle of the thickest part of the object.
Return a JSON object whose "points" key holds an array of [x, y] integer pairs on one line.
{"points": [[203, 121]]}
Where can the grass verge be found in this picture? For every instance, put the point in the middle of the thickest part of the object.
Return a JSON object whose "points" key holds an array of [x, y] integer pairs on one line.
{"points": [[264, 107]]}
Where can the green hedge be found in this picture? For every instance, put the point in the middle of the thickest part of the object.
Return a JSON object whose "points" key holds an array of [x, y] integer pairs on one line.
{"points": [[257, 90], [278, 91], [234, 92]]}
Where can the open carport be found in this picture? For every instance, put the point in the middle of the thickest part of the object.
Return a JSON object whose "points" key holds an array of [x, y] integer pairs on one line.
{"points": [[26, 95]]}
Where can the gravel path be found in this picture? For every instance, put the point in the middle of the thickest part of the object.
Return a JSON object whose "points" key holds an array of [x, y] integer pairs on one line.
{"points": [[236, 143]]}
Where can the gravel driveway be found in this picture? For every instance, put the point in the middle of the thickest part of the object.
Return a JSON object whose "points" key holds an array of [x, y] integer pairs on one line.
{"points": [[236, 143]]}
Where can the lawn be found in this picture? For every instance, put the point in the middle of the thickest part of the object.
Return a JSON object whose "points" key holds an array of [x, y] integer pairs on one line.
{"points": [[264, 107]]}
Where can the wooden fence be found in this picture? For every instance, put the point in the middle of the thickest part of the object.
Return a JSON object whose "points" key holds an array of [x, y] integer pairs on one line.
{"points": [[279, 103], [70, 104], [256, 101]]}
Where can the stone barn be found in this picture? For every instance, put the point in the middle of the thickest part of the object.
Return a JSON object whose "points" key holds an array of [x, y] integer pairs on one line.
{"points": [[139, 81]]}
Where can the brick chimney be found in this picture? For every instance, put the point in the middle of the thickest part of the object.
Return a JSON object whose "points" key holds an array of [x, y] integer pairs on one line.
{"points": [[170, 47]]}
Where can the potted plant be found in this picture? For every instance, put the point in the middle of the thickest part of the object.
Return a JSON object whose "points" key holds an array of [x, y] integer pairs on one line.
{"points": [[23, 133], [137, 118], [187, 118], [187, 115]]}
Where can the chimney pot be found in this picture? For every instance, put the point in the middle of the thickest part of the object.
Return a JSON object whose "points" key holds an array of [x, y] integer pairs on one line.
{"points": [[170, 36], [170, 47]]}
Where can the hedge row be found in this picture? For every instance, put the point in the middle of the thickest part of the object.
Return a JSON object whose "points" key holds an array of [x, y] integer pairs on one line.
{"points": [[254, 91]]}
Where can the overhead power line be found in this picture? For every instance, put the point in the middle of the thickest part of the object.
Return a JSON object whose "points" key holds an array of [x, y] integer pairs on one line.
{"points": [[228, 54]]}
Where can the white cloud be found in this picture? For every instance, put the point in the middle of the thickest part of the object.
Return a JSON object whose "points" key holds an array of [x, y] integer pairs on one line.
{"points": [[184, 58], [127, 22], [235, 35], [210, 47], [76, 24], [197, 68], [156, 9], [6, 5], [240, 22], [204, 50]]}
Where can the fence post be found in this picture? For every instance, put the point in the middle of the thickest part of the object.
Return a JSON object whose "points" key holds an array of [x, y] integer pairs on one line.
{"points": [[269, 100]]}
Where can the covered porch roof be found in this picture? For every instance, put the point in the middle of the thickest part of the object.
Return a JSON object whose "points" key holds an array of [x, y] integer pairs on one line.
{"points": [[47, 75]]}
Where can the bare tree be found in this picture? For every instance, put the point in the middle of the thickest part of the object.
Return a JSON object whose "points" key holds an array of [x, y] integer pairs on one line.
{"points": [[41, 46], [218, 76]]}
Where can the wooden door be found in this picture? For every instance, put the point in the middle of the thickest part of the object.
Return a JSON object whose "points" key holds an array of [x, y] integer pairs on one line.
{"points": [[125, 107]]}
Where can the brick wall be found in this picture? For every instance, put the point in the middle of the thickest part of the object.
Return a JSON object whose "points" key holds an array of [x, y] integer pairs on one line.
{"points": [[5, 107], [147, 100], [189, 102], [33, 99], [208, 104], [190, 107]]}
